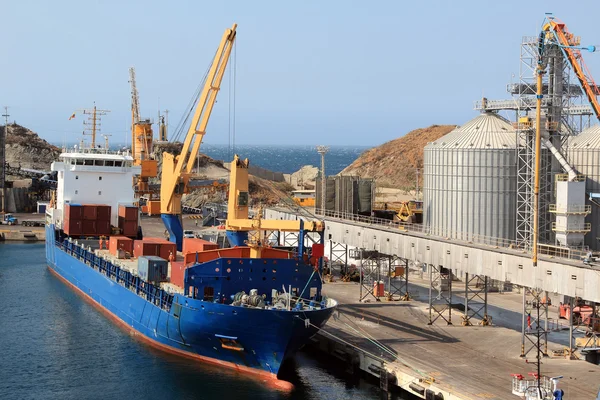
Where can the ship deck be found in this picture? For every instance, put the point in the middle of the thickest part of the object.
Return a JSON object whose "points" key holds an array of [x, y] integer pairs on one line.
{"points": [[131, 265]]}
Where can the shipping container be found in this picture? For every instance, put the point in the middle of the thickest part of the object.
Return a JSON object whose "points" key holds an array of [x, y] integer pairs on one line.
{"points": [[120, 242], [166, 247], [103, 228], [73, 227], [129, 213], [90, 212], [178, 273], [103, 212], [152, 268], [128, 228], [192, 245], [153, 207], [74, 212], [88, 227], [145, 248]]}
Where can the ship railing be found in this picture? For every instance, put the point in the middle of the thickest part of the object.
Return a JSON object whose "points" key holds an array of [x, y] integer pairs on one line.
{"points": [[146, 290], [554, 251]]}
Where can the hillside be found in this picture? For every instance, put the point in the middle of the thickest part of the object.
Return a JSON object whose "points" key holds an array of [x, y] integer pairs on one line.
{"points": [[26, 149], [394, 164]]}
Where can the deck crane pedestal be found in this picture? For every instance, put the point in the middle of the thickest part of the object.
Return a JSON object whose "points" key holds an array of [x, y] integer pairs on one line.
{"points": [[176, 170]]}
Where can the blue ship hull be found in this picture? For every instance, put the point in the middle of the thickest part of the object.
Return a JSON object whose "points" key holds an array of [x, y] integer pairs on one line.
{"points": [[190, 327]]}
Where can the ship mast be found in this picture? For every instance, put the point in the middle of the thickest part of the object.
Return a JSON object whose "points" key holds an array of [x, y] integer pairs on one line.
{"points": [[93, 122]]}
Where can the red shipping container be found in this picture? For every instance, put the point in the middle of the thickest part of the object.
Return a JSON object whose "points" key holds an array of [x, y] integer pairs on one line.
{"points": [[103, 211], [166, 249], [120, 242], [129, 213], [103, 228], [73, 228], [130, 228], [90, 212], [88, 228], [192, 245], [145, 248], [74, 212], [177, 273]]}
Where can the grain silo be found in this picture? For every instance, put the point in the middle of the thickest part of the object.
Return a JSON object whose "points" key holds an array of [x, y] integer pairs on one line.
{"points": [[584, 155], [470, 181]]}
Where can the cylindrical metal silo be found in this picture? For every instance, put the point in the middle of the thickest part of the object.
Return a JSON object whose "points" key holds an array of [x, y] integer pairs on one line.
{"points": [[584, 155], [470, 181]]}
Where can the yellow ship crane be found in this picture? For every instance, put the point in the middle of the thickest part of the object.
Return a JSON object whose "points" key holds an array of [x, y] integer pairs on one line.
{"points": [[141, 141], [238, 224], [176, 171]]}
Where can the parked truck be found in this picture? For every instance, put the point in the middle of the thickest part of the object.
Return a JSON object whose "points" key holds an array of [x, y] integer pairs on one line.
{"points": [[33, 222], [9, 219]]}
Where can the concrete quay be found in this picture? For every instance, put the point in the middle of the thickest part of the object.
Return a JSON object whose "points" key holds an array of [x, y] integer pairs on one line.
{"points": [[454, 361]]}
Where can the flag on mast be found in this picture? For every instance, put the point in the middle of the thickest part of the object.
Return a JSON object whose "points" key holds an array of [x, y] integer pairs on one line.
{"points": [[72, 116]]}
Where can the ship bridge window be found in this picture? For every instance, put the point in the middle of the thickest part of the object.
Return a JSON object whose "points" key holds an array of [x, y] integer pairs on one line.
{"points": [[88, 162], [109, 163], [99, 163], [118, 163], [79, 161]]}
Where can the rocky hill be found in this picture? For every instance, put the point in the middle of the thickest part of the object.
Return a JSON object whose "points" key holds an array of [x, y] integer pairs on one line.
{"points": [[26, 149], [394, 164]]}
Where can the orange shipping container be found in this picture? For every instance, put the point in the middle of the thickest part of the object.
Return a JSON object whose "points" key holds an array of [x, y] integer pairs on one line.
{"points": [[145, 248], [129, 213], [154, 207], [166, 247], [177, 273], [192, 245], [120, 242]]}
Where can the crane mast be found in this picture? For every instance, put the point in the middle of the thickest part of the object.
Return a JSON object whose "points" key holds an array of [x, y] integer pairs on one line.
{"points": [[176, 171]]}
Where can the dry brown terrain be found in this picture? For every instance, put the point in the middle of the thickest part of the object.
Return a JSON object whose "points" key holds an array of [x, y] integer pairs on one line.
{"points": [[26, 149], [394, 164]]}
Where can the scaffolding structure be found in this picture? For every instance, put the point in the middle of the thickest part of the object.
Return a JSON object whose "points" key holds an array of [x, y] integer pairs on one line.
{"points": [[534, 326], [378, 272], [476, 300], [440, 294]]}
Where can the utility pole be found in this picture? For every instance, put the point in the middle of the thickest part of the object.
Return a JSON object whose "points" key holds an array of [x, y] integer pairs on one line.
{"points": [[322, 150], [3, 137]]}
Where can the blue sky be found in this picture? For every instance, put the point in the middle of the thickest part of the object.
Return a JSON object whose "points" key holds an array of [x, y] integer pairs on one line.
{"points": [[308, 72]]}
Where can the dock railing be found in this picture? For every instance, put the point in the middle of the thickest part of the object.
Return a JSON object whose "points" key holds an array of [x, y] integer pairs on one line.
{"points": [[550, 250]]}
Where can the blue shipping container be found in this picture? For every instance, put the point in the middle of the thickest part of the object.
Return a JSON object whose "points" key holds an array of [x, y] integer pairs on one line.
{"points": [[152, 268]]}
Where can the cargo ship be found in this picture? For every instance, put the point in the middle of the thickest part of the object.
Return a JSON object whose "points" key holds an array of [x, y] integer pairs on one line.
{"points": [[248, 307]]}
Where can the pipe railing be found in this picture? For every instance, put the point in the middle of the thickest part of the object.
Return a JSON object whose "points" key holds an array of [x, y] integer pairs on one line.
{"points": [[550, 250]]}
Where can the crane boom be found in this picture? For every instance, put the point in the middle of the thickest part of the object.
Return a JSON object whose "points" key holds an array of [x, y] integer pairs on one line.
{"points": [[135, 102], [569, 44], [176, 171]]}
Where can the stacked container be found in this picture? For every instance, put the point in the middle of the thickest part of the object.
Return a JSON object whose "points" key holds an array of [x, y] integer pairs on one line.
{"points": [[128, 220], [152, 269], [73, 219]]}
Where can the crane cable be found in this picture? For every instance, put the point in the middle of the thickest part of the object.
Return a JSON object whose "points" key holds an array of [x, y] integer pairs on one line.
{"points": [[190, 107]]}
